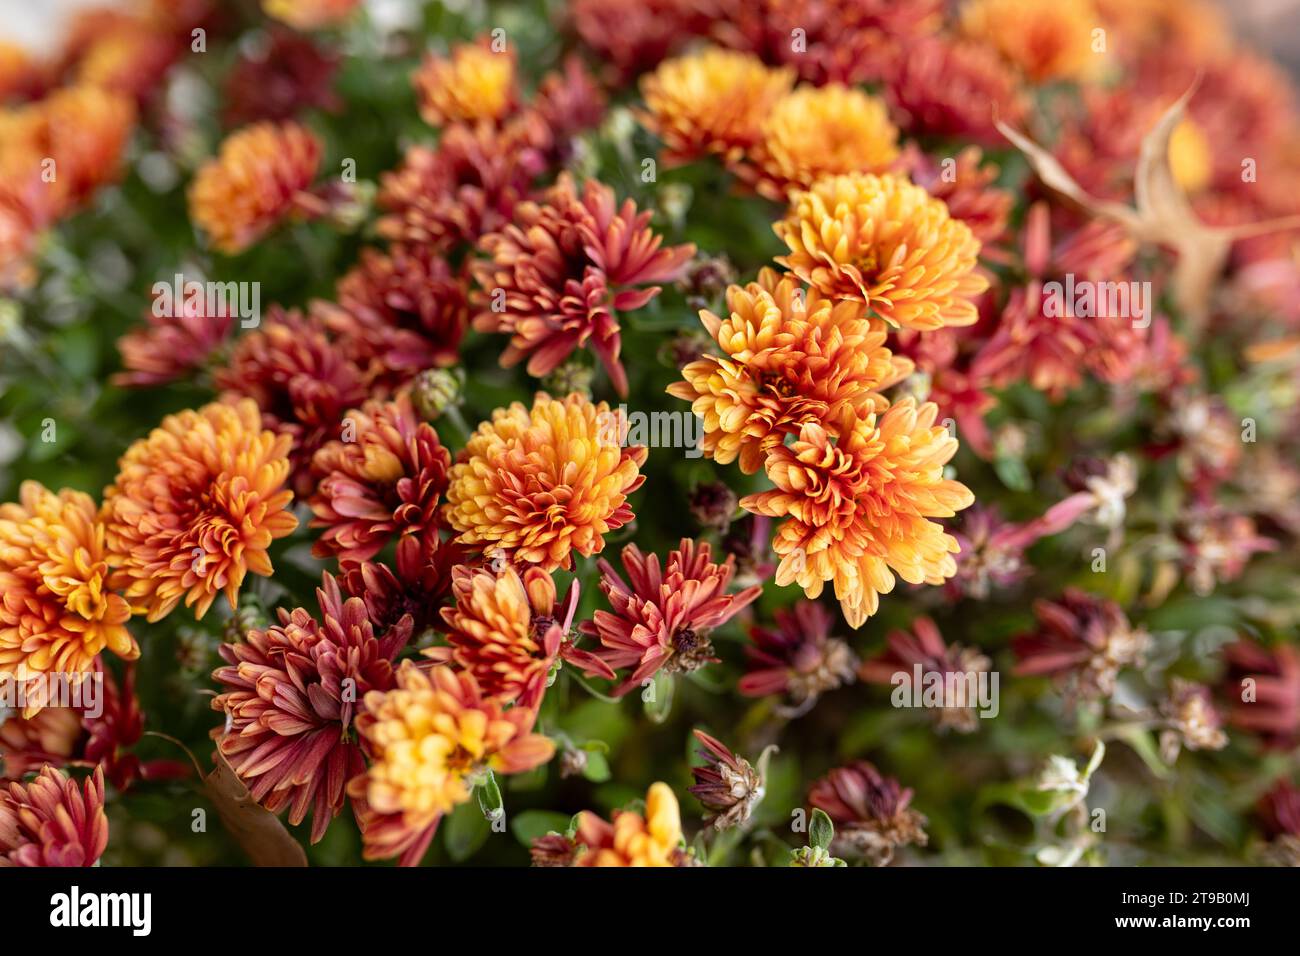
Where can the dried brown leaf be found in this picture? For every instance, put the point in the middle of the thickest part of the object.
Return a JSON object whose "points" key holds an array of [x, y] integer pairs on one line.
{"points": [[261, 833]]}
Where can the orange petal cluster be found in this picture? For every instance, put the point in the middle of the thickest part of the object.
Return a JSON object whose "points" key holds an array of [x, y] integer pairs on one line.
{"points": [[1045, 39], [475, 83]]}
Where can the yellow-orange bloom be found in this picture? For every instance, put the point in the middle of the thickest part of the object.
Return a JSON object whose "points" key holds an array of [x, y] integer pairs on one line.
{"points": [[1046, 39], [820, 131], [541, 484], [474, 83], [887, 242], [56, 609], [1190, 158], [310, 14], [632, 839], [257, 179], [789, 357], [195, 507], [711, 102], [430, 739], [859, 506]]}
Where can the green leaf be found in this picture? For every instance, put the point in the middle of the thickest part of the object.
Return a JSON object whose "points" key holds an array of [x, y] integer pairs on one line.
{"points": [[465, 830], [820, 830], [597, 768], [531, 824]]}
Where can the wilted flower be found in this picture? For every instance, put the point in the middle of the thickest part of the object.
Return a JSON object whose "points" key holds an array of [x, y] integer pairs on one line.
{"points": [[885, 242], [728, 785], [663, 619], [539, 484], [712, 102], [862, 505], [870, 811], [1279, 816], [468, 186], [556, 277], [992, 552], [1263, 688], [57, 610], [820, 131], [797, 658], [53, 822], [925, 647], [384, 481], [509, 630], [1046, 39], [632, 839], [1190, 719], [177, 344], [1217, 545], [431, 738], [258, 179], [789, 358], [404, 310], [713, 505], [194, 508], [310, 14], [302, 382], [475, 83], [290, 694], [289, 75], [1082, 639]]}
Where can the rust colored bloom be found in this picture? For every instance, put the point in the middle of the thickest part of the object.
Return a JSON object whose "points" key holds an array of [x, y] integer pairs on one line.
{"points": [[633, 839], [871, 812], [568, 101], [130, 57], [1084, 640], [289, 694], [1263, 689], [194, 508], [712, 102], [509, 630], [466, 187], [861, 506], [474, 83], [798, 658], [404, 310], [287, 76], [663, 619], [727, 785], [886, 242], [53, 822], [1045, 39], [430, 738], [176, 344], [955, 89], [923, 652], [789, 358], [417, 584], [384, 481], [632, 36], [302, 382], [57, 611], [556, 277], [310, 14], [21, 76], [540, 484], [1190, 720], [820, 131], [257, 180]]}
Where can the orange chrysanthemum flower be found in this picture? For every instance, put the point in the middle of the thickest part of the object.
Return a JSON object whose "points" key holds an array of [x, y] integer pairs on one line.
{"points": [[53, 822], [886, 242], [790, 358], [430, 738], [860, 506], [256, 180], [508, 630], [474, 83], [544, 483], [711, 102], [820, 131], [310, 14], [195, 507], [57, 612], [632, 839], [558, 274], [385, 481], [1046, 39]]}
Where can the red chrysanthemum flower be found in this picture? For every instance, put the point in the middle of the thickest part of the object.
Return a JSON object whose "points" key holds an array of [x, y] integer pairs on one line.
{"points": [[663, 618], [301, 380], [53, 822], [1263, 689], [556, 276], [385, 480], [632, 36], [287, 75], [798, 658], [290, 694], [417, 584], [871, 812], [173, 346]]}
